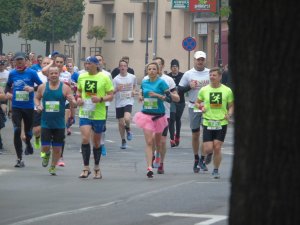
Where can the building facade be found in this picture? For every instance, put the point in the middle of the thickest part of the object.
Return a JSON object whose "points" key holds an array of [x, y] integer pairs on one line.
{"points": [[126, 25]]}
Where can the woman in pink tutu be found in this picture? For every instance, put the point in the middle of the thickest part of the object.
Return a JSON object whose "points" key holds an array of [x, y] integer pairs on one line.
{"points": [[152, 118]]}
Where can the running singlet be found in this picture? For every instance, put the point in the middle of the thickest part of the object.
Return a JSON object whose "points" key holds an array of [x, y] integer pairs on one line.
{"points": [[215, 104], [53, 114], [93, 85]]}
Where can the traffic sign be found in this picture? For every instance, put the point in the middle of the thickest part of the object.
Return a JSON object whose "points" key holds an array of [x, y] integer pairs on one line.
{"points": [[189, 43]]}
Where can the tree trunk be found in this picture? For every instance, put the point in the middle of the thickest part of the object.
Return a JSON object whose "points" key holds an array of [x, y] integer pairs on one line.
{"points": [[1, 44], [47, 48], [264, 43]]}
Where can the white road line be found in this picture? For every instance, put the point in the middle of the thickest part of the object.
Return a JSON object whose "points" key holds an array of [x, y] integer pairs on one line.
{"points": [[3, 171], [211, 219], [71, 212], [81, 210]]}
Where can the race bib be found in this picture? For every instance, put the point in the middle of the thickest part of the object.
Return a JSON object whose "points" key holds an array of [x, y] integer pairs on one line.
{"points": [[52, 106], [125, 95], [88, 109], [214, 125], [22, 96], [150, 103]]}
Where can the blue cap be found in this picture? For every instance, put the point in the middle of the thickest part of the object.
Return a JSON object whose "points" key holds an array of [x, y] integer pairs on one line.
{"points": [[92, 59], [54, 53]]}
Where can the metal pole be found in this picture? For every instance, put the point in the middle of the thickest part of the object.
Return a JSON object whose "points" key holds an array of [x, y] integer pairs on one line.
{"points": [[220, 36], [52, 27], [147, 32], [155, 29]]}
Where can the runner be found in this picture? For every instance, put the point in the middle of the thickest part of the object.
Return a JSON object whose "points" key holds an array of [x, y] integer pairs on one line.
{"points": [[192, 81], [94, 89], [125, 89], [22, 80], [152, 118], [50, 100], [216, 103]]}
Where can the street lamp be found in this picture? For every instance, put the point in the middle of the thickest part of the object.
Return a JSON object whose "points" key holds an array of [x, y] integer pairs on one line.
{"points": [[147, 33], [220, 36]]}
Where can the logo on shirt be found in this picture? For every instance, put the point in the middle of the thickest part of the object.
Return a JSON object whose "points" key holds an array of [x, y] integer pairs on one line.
{"points": [[90, 87], [215, 100]]}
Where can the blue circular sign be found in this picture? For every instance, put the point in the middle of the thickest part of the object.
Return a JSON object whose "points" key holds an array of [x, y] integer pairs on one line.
{"points": [[189, 43]]}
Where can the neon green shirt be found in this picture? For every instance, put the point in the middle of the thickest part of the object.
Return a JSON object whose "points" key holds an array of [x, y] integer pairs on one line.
{"points": [[215, 103], [93, 85]]}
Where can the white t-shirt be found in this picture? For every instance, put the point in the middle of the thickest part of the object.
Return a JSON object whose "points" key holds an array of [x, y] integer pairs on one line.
{"points": [[3, 79], [110, 77], [171, 83], [124, 97], [202, 79]]}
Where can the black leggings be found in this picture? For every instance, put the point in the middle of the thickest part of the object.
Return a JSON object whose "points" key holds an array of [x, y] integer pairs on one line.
{"points": [[18, 115], [175, 117]]}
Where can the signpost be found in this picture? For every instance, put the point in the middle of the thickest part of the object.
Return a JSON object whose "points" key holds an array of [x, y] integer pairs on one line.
{"points": [[189, 44], [180, 4]]}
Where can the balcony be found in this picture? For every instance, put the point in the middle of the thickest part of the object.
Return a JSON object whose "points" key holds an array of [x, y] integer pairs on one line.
{"points": [[104, 2]]}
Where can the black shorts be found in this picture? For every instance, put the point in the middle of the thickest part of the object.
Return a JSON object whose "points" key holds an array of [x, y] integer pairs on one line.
{"points": [[67, 106], [121, 111], [54, 137], [37, 119], [211, 135], [165, 131]]}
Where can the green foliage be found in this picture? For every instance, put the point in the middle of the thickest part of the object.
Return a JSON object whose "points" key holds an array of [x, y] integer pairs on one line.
{"points": [[97, 32], [52, 19], [10, 16]]}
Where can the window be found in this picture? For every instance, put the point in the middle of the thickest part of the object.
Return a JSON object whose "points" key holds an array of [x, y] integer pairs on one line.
{"points": [[69, 51], [128, 27], [110, 26], [83, 53], [144, 27], [90, 21], [168, 24]]}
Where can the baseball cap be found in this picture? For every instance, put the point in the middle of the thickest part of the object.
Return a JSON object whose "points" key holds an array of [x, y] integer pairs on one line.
{"points": [[92, 59], [2, 62], [20, 55], [200, 54], [54, 53]]}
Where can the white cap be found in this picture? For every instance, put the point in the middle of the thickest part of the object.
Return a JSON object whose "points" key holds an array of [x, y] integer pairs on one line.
{"points": [[199, 54]]}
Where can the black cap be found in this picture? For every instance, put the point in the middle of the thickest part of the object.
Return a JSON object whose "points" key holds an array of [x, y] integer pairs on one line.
{"points": [[174, 62], [20, 55], [2, 62]]}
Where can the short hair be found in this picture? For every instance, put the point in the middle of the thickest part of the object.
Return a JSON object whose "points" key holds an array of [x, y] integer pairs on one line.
{"points": [[216, 69], [60, 56], [153, 63], [122, 60], [125, 57], [161, 59]]}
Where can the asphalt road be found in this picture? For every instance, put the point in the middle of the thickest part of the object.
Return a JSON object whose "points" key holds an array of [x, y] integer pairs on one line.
{"points": [[124, 196]]}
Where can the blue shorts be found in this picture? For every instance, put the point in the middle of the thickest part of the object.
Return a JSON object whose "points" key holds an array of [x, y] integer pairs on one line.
{"points": [[97, 125]]}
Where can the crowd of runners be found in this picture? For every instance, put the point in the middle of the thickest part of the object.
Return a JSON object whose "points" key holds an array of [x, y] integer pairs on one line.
{"points": [[42, 95]]}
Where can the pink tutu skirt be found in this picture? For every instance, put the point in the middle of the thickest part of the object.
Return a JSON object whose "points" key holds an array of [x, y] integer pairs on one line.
{"points": [[145, 121]]}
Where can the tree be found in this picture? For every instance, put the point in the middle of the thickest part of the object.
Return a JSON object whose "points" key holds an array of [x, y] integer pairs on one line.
{"points": [[263, 50], [51, 20], [97, 32], [9, 19]]}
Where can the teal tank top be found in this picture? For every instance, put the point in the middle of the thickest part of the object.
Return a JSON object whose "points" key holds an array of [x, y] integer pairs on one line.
{"points": [[53, 114]]}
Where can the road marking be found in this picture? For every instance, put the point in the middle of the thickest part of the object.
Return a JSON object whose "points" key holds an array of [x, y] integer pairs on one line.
{"points": [[211, 219], [3, 171], [81, 210], [71, 212]]}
